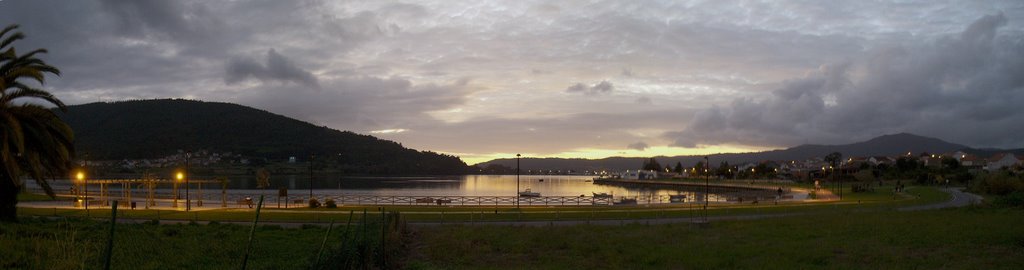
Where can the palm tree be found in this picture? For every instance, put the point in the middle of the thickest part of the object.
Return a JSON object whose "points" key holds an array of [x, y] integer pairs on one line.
{"points": [[34, 141]]}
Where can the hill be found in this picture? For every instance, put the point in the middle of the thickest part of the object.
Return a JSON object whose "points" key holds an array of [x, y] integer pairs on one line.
{"points": [[157, 128], [887, 145]]}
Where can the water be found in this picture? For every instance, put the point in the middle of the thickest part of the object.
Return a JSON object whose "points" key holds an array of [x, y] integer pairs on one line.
{"points": [[467, 185]]}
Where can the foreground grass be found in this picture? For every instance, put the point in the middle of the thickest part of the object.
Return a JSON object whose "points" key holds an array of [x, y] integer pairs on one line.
{"points": [[80, 244], [957, 238]]}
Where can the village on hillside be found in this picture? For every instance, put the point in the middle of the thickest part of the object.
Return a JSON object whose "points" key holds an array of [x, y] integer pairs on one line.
{"points": [[955, 164]]}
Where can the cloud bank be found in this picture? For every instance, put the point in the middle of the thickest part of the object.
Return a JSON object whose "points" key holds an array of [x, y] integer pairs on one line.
{"points": [[965, 87], [489, 78]]}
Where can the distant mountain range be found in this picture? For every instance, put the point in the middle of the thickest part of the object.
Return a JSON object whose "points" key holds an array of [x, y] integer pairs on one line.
{"points": [[158, 128], [887, 145]]}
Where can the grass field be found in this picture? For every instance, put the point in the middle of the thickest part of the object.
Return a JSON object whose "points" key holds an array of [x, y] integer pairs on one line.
{"points": [[78, 244], [830, 235], [957, 239]]}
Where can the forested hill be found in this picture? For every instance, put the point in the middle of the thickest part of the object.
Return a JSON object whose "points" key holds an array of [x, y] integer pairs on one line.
{"points": [[157, 128]]}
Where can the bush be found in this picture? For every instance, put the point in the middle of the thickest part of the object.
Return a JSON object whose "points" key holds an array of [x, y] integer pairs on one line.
{"points": [[313, 203], [330, 203], [862, 187], [1015, 199], [1001, 183]]}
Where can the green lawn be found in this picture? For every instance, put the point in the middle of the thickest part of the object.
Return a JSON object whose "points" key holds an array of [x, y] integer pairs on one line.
{"points": [[827, 235], [958, 239], [50, 244]]}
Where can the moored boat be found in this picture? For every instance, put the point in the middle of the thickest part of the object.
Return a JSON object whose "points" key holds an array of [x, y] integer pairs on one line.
{"points": [[626, 201], [529, 193]]}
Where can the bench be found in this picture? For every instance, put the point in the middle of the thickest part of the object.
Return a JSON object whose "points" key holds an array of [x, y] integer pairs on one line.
{"points": [[246, 202]]}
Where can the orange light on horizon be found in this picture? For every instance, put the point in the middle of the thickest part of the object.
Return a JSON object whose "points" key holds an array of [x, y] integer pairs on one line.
{"points": [[80, 176], [180, 176]]}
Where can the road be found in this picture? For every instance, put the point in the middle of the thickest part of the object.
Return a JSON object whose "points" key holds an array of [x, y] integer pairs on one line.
{"points": [[958, 199]]}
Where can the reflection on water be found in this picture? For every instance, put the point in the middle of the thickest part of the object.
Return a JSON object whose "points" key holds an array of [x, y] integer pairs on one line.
{"points": [[468, 185]]}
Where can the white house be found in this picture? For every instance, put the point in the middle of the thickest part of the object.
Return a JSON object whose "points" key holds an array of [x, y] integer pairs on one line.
{"points": [[639, 174], [1001, 160]]}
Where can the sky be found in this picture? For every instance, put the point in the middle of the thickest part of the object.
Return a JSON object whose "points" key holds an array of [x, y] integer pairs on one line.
{"points": [[589, 79]]}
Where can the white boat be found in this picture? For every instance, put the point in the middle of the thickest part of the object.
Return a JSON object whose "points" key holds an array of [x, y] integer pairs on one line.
{"points": [[625, 201], [529, 193], [678, 198]]}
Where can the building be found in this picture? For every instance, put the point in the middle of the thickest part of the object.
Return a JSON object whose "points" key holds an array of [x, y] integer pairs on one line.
{"points": [[640, 174], [1002, 160]]}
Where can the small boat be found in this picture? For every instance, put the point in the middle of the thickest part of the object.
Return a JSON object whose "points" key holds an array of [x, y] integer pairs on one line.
{"points": [[602, 195], [678, 198], [625, 201], [589, 181], [541, 180], [529, 193]]}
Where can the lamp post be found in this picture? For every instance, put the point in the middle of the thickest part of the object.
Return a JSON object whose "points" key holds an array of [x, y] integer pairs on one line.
{"points": [[188, 201], [180, 177], [85, 183], [707, 178], [517, 180], [311, 157], [81, 178]]}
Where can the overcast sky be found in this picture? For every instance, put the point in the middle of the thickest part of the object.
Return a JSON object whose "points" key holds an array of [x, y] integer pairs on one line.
{"points": [[489, 79]]}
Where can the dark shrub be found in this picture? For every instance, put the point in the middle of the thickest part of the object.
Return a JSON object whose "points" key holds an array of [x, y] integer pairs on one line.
{"points": [[313, 203], [330, 203], [1015, 199]]}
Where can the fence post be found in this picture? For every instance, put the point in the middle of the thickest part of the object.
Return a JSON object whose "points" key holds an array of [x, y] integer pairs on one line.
{"points": [[324, 243], [248, 245], [110, 240], [383, 239]]}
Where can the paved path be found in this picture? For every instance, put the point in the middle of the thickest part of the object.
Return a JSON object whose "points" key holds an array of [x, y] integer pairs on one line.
{"points": [[958, 199]]}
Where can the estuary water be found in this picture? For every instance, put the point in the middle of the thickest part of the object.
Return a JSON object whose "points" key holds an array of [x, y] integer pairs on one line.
{"points": [[466, 185]]}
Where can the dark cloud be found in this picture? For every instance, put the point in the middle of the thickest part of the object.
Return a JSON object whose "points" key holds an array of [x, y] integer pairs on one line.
{"points": [[965, 88], [639, 146], [277, 67], [172, 20], [599, 88]]}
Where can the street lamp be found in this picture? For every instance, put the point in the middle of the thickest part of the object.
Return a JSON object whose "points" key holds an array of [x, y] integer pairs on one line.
{"points": [[517, 180], [188, 201], [311, 157], [81, 178], [707, 178], [179, 176]]}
